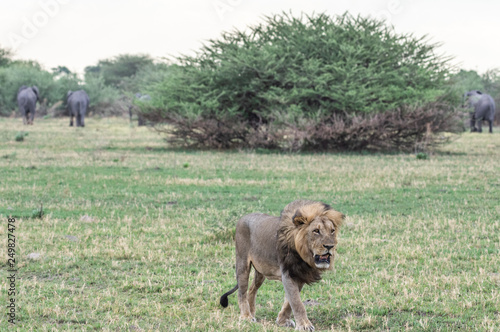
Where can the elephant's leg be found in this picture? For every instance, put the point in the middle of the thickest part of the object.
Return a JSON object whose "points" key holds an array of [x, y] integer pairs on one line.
{"points": [[82, 120], [472, 123], [32, 116], [78, 120], [70, 119], [140, 120], [25, 117], [479, 125], [490, 122]]}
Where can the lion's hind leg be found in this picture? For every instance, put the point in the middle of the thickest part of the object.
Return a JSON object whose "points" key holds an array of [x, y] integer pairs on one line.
{"points": [[242, 275], [258, 280], [284, 317]]}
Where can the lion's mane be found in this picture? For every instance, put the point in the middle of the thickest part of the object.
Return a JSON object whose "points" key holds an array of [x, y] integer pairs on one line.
{"points": [[291, 242]]}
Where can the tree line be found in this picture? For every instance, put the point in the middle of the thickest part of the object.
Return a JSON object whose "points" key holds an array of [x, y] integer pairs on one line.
{"points": [[288, 83], [110, 84]]}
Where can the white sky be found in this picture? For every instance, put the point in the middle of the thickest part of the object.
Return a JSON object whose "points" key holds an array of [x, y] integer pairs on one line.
{"points": [[78, 33]]}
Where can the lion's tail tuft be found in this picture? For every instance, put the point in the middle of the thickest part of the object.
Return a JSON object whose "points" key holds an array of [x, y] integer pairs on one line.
{"points": [[223, 299]]}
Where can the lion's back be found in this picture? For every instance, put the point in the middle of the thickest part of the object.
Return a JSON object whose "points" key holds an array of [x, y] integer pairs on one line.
{"points": [[256, 236], [258, 226]]}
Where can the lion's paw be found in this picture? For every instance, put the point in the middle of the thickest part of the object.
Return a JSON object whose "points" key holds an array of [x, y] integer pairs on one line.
{"points": [[286, 323], [307, 327], [249, 318]]}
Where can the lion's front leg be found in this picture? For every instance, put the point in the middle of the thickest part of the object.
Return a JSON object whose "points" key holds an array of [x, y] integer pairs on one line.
{"points": [[292, 292]]}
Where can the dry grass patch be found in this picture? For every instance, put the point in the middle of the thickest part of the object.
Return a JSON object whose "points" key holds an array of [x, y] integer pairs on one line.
{"points": [[137, 236]]}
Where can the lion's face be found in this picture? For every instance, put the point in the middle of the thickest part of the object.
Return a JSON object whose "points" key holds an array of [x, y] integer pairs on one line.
{"points": [[322, 240], [316, 242], [316, 237]]}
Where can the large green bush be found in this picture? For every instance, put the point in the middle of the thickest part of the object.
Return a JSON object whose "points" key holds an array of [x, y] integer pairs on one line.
{"points": [[99, 92], [290, 75]]}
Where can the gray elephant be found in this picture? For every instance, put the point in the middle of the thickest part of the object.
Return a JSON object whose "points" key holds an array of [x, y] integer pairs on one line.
{"points": [[26, 101], [78, 103], [484, 109], [141, 98]]}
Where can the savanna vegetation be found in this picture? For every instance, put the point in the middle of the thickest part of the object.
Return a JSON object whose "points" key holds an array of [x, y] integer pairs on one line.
{"points": [[306, 83], [310, 83], [117, 232], [120, 229], [110, 84]]}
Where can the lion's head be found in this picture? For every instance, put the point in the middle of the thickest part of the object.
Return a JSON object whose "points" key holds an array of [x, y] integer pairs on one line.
{"points": [[307, 238]]}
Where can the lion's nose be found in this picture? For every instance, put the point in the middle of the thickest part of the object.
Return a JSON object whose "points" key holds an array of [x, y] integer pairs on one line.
{"points": [[328, 247]]}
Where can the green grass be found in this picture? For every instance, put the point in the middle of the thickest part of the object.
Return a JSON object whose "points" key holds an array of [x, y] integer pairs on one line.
{"points": [[136, 236]]}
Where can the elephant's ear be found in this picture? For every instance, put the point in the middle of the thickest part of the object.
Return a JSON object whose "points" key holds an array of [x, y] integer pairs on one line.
{"points": [[35, 90], [69, 94], [21, 88], [479, 92]]}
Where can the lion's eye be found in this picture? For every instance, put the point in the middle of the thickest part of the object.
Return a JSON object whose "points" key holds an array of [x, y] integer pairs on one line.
{"points": [[333, 231], [316, 231]]}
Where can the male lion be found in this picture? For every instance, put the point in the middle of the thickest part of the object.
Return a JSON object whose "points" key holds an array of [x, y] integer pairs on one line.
{"points": [[294, 248]]}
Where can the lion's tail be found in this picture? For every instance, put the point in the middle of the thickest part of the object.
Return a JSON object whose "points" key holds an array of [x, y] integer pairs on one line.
{"points": [[223, 299]]}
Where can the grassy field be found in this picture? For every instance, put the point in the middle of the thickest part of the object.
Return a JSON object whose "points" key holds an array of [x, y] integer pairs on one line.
{"points": [[139, 237]]}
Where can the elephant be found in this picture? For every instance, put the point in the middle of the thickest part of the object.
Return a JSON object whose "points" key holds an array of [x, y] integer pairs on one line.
{"points": [[484, 109], [26, 101], [141, 98], [78, 102]]}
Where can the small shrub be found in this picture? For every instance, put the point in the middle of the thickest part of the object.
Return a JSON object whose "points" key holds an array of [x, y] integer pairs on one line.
{"points": [[10, 156], [20, 136], [38, 213], [422, 156]]}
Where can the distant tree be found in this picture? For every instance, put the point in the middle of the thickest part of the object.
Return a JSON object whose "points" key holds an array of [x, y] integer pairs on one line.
{"points": [[61, 70], [145, 77], [99, 92], [120, 68], [5, 57], [27, 63], [491, 81], [464, 81], [92, 70]]}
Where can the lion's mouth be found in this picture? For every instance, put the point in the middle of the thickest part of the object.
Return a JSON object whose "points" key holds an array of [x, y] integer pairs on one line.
{"points": [[322, 260]]}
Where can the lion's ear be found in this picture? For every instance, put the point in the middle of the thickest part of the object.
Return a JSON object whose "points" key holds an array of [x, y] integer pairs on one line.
{"points": [[336, 217], [298, 219]]}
